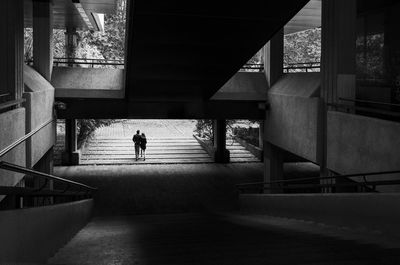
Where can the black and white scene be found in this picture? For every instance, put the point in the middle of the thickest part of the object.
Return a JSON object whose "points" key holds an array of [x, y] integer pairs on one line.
{"points": [[214, 132]]}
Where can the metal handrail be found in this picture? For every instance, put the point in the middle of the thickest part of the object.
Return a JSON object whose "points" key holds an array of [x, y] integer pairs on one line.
{"points": [[367, 109], [4, 95], [307, 66], [369, 102], [24, 138], [257, 67], [24, 170], [11, 103], [286, 181]]}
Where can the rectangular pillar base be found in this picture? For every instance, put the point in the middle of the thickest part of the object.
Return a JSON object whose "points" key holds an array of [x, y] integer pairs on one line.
{"points": [[222, 156]]}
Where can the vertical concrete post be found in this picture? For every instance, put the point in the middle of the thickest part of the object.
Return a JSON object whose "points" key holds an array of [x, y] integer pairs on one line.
{"points": [[71, 154], [338, 61], [221, 154], [11, 49], [261, 138], [43, 37], [273, 58], [273, 65], [71, 42]]}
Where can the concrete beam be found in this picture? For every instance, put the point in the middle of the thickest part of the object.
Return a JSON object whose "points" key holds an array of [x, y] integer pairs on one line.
{"points": [[116, 109]]}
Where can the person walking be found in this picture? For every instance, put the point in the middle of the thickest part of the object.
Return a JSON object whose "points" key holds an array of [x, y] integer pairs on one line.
{"points": [[143, 143], [136, 139]]}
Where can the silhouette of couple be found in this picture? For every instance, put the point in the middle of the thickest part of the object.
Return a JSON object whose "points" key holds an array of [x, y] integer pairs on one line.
{"points": [[140, 143]]}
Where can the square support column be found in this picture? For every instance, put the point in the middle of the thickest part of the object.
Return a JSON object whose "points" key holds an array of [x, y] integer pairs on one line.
{"points": [[71, 42], [11, 49], [71, 155], [43, 37], [338, 60], [221, 154], [273, 65]]}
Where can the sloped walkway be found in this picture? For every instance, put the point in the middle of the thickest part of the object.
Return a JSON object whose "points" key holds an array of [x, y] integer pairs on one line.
{"points": [[206, 239]]}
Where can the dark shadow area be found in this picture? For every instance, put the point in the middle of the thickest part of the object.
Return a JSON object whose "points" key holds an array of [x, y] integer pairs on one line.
{"points": [[205, 239]]}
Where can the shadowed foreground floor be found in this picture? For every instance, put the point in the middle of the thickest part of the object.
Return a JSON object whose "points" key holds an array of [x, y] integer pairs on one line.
{"points": [[207, 239]]}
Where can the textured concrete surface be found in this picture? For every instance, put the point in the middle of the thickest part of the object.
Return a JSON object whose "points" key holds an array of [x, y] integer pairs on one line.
{"points": [[39, 106], [292, 123], [203, 239], [88, 82], [35, 234], [375, 144], [12, 127], [366, 212], [244, 86]]}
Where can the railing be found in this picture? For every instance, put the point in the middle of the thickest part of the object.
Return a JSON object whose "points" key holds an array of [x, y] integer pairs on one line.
{"points": [[320, 183], [85, 62], [84, 191], [252, 67], [305, 67], [12, 103], [381, 109]]}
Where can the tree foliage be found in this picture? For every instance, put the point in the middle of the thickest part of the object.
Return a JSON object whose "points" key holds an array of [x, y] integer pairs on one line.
{"points": [[303, 46], [87, 127]]}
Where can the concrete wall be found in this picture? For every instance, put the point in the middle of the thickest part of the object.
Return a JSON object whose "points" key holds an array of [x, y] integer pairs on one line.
{"points": [[35, 234], [88, 82], [39, 109], [243, 86], [359, 144], [293, 120], [12, 127], [292, 123], [369, 211]]}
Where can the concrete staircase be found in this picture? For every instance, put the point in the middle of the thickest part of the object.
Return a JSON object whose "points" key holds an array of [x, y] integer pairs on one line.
{"points": [[171, 150], [239, 154], [103, 151]]}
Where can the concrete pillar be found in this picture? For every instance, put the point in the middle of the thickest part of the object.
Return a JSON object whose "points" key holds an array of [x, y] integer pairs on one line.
{"points": [[273, 161], [273, 58], [261, 138], [43, 37], [11, 49], [71, 154], [221, 154], [273, 65], [71, 42], [338, 60]]}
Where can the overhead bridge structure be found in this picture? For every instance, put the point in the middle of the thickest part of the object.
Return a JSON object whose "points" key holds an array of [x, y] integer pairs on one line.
{"points": [[338, 115]]}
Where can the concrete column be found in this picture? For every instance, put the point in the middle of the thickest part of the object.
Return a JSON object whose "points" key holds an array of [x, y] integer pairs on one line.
{"points": [[221, 154], [273, 65], [273, 161], [261, 138], [11, 49], [43, 37], [273, 58], [338, 60], [71, 154], [71, 42]]}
